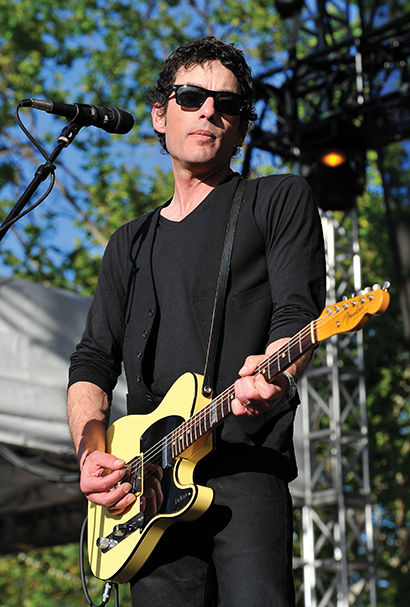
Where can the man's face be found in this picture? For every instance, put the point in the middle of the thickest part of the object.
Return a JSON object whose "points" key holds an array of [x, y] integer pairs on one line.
{"points": [[201, 140]]}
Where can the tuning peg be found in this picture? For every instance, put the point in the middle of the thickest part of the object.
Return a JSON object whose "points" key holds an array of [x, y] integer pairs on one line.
{"points": [[377, 287], [344, 298], [363, 291], [386, 285]]}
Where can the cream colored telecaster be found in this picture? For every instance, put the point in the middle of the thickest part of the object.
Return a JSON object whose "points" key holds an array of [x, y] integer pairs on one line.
{"points": [[119, 545]]}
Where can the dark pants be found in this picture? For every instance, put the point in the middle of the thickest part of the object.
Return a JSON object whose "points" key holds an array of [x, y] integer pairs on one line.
{"points": [[240, 548]]}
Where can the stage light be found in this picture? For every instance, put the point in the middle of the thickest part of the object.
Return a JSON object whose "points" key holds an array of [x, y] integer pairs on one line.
{"points": [[336, 176], [333, 158]]}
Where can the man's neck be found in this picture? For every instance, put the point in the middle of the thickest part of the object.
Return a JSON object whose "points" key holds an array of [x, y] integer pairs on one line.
{"points": [[190, 191]]}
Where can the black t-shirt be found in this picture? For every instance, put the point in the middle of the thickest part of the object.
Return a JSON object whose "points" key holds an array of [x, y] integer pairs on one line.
{"points": [[176, 345]]}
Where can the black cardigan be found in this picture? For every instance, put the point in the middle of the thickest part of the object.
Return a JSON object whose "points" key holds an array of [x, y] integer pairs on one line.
{"points": [[276, 287]]}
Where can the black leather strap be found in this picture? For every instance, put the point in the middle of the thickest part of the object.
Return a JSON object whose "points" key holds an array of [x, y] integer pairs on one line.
{"points": [[209, 373]]}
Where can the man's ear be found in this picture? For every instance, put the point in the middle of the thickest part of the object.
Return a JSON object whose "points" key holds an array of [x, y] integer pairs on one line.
{"points": [[158, 118], [243, 131]]}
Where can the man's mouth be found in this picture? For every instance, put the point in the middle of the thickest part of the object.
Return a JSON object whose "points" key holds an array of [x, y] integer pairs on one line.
{"points": [[204, 133]]}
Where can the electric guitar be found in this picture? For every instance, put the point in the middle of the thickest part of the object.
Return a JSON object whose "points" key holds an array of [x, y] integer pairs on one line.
{"points": [[119, 545]]}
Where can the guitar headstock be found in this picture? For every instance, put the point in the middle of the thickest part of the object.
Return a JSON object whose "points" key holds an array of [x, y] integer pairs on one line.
{"points": [[351, 314]]}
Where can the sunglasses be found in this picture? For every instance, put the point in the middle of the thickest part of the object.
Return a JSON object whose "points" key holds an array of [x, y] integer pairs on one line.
{"points": [[192, 96]]}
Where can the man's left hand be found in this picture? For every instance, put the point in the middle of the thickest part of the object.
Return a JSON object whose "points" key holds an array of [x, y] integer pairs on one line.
{"points": [[253, 394]]}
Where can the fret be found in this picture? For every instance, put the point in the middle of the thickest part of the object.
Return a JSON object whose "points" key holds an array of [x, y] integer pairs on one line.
{"points": [[294, 352], [214, 416], [270, 363], [219, 409], [264, 370], [182, 441], [226, 408], [277, 363], [207, 419], [225, 405], [173, 445], [231, 397], [204, 419], [176, 444], [189, 436], [201, 421]]}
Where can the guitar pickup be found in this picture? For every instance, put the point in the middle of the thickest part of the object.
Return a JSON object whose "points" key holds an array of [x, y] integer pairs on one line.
{"points": [[133, 475], [120, 532]]}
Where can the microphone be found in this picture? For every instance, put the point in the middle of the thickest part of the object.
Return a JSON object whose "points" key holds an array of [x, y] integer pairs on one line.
{"points": [[111, 119]]}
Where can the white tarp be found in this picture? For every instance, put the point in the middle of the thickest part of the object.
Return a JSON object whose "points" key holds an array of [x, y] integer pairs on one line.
{"points": [[39, 328], [40, 500]]}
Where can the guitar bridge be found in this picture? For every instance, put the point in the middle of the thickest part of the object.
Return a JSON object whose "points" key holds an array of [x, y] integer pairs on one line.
{"points": [[120, 532]]}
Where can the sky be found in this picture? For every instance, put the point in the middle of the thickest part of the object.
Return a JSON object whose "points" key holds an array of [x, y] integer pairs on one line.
{"points": [[149, 156]]}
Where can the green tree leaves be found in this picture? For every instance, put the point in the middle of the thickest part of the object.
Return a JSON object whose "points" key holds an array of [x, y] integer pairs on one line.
{"points": [[108, 52]]}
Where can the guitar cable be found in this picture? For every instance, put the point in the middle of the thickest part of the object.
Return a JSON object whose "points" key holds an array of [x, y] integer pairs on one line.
{"points": [[108, 585]]}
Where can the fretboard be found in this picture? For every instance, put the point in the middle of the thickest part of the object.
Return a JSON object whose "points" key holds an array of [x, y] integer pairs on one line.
{"points": [[219, 408]]}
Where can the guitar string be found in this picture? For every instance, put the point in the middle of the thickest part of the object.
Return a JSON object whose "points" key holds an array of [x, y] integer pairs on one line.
{"points": [[200, 416], [181, 431], [225, 397]]}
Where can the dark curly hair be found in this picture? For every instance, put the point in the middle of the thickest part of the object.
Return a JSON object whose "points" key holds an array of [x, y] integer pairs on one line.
{"points": [[199, 52]]}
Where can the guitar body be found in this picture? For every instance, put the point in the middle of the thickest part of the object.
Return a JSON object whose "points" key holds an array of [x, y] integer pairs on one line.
{"points": [[131, 536]]}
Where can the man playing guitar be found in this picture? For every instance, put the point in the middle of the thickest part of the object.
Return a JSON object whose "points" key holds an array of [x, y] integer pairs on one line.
{"points": [[152, 311]]}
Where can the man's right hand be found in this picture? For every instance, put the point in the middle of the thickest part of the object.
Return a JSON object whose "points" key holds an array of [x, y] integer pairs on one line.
{"points": [[102, 471], [99, 475]]}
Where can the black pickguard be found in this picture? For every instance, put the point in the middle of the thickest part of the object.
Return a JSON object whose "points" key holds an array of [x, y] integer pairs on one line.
{"points": [[175, 499]]}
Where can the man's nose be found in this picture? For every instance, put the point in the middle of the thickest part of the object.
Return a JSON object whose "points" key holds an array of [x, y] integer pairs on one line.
{"points": [[208, 109]]}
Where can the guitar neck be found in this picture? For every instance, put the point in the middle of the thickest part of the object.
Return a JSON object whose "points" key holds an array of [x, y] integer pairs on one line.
{"points": [[210, 416], [345, 316]]}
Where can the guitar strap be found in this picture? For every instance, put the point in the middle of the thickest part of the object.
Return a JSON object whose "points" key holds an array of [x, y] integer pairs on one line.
{"points": [[219, 304]]}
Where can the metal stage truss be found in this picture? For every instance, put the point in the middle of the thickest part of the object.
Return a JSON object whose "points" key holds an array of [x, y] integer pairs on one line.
{"points": [[343, 76], [345, 80], [332, 498]]}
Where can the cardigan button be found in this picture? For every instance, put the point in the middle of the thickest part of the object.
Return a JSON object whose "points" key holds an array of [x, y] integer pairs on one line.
{"points": [[139, 355], [138, 378], [151, 312], [149, 398], [145, 334]]}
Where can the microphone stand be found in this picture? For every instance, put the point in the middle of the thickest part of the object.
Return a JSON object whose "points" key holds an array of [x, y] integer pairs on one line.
{"points": [[43, 171]]}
